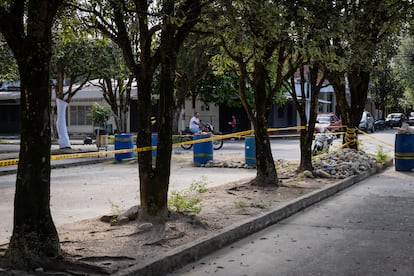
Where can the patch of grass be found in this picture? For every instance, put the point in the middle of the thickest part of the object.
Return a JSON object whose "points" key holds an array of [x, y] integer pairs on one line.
{"points": [[181, 202], [115, 208], [199, 186], [240, 204], [380, 155], [299, 178]]}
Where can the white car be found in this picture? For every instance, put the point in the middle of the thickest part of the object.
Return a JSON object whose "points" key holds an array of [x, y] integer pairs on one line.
{"points": [[367, 122]]}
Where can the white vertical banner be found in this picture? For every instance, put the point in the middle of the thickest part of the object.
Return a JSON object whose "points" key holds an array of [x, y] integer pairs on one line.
{"points": [[61, 124]]}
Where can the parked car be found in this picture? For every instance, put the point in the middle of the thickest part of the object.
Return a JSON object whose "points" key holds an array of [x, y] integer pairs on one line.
{"points": [[367, 122], [328, 121], [395, 119], [411, 119]]}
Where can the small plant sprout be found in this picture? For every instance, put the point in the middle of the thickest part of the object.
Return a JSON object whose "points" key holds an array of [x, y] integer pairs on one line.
{"points": [[181, 202], [199, 186], [240, 204], [380, 155], [115, 208]]}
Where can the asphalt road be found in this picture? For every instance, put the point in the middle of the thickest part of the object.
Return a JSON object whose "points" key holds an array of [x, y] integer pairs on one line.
{"points": [[367, 229]]}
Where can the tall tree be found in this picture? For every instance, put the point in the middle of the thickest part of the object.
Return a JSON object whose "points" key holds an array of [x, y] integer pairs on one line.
{"points": [[403, 66], [255, 39], [365, 35], [192, 68], [310, 55], [115, 81], [26, 26], [386, 91], [73, 63], [149, 35]]}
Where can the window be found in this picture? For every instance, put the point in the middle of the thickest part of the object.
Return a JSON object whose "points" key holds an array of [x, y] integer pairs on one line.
{"points": [[80, 115]]}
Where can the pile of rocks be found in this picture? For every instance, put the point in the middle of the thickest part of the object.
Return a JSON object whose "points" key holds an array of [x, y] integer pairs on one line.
{"points": [[339, 164], [226, 164], [342, 164]]}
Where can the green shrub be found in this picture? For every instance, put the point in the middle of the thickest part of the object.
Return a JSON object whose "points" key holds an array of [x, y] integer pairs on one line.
{"points": [[380, 155], [180, 202]]}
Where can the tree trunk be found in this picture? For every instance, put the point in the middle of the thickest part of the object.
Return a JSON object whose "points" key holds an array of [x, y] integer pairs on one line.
{"points": [[266, 170], [351, 113], [306, 135], [34, 234]]}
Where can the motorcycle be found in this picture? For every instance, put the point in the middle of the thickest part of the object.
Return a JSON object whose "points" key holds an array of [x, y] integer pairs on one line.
{"points": [[323, 140], [187, 135]]}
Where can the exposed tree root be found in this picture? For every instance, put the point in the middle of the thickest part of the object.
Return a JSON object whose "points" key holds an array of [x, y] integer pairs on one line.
{"points": [[54, 266], [164, 240], [133, 234]]}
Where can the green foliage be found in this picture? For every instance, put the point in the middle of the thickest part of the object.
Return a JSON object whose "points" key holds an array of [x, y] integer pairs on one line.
{"points": [[8, 68], [100, 114], [116, 209], [386, 89], [299, 177], [185, 201], [403, 65], [199, 186], [181, 202], [240, 204], [380, 155]]}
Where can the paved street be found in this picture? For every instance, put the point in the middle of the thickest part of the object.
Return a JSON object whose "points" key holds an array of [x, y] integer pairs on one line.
{"points": [[367, 229]]}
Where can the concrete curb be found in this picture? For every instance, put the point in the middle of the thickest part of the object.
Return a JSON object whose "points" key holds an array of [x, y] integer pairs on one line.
{"points": [[196, 250]]}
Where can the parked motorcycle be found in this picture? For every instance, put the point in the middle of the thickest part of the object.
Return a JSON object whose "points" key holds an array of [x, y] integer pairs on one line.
{"points": [[187, 135], [380, 125], [323, 140]]}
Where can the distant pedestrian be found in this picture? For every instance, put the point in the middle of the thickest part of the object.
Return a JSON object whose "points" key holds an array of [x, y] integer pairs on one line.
{"points": [[233, 123]]}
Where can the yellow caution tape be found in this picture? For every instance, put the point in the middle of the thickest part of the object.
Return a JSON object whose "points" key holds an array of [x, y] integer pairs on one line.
{"points": [[350, 137], [376, 139]]}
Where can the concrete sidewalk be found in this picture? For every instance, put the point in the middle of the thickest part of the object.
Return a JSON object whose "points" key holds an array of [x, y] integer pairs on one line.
{"points": [[367, 229]]}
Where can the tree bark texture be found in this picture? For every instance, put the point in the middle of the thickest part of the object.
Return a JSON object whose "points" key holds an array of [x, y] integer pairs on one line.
{"points": [[306, 135], [266, 170], [34, 236], [351, 112]]}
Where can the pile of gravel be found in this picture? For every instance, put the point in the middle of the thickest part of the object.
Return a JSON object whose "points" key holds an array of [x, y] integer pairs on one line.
{"points": [[339, 164], [343, 163]]}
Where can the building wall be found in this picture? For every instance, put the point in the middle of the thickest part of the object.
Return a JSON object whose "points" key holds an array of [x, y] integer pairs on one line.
{"points": [[209, 113]]}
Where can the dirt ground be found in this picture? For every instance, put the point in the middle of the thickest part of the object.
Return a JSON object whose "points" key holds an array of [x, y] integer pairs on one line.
{"points": [[114, 247]]}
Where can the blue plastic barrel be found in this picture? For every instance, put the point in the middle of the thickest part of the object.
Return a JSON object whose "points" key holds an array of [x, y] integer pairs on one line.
{"points": [[250, 150], [404, 152], [203, 152], [124, 141], [154, 141]]}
